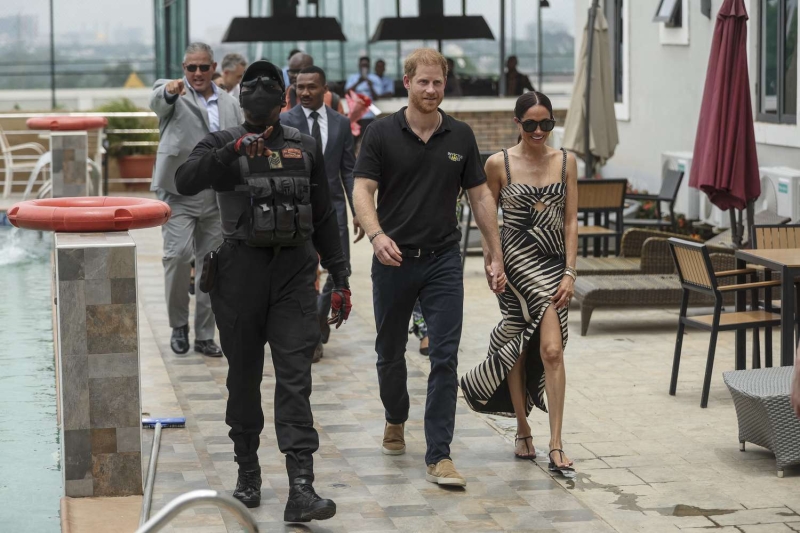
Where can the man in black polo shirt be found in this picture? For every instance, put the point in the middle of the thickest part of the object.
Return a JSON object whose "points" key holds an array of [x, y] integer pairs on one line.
{"points": [[418, 159]]}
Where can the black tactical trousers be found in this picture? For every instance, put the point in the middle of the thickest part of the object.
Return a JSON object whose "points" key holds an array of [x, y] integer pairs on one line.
{"points": [[259, 297]]}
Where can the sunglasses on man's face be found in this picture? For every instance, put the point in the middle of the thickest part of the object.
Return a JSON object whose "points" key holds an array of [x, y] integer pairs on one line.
{"points": [[193, 68], [531, 125]]}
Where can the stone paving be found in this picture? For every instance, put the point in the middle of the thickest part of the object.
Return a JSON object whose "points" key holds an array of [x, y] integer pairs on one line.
{"points": [[646, 461]]}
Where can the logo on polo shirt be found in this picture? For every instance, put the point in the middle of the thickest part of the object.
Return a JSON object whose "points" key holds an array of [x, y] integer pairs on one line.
{"points": [[454, 157]]}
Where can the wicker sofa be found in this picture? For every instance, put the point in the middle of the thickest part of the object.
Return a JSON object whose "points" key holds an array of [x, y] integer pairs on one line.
{"points": [[642, 290], [642, 251]]}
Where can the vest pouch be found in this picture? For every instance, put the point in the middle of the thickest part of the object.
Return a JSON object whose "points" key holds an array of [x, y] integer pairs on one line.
{"points": [[262, 213], [305, 224], [285, 212]]}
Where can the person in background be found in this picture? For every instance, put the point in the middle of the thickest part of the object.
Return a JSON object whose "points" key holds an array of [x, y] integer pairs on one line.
{"points": [[387, 84], [516, 82], [367, 84], [453, 86], [285, 69], [217, 79], [332, 132], [233, 66], [188, 109], [297, 63]]}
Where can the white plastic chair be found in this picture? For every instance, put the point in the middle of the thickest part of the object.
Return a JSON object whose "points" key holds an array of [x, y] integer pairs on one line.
{"points": [[9, 163]]}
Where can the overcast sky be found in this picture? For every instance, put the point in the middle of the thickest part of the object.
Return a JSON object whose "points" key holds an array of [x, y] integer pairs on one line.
{"points": [[208, 19]]}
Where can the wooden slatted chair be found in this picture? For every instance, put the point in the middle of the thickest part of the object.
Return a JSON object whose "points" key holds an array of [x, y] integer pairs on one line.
{"points": [[768, 237], [603, 198], [693, 263]]}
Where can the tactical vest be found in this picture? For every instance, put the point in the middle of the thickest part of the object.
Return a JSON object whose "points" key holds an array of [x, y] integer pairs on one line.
{"points": [[272, 205]]}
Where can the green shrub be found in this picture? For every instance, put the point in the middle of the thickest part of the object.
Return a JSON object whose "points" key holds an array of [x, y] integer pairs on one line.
{"points": [[119, 144]]}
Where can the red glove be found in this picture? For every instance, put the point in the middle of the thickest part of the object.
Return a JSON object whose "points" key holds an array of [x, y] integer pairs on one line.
{"points": [[340, 306]]}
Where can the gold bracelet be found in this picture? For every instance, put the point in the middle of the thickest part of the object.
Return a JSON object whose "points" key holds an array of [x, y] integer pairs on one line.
{"points": [[571, 272]]}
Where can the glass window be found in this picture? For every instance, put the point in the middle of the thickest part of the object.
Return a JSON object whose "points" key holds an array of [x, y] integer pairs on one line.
{"points": [[613, 12], [777, 81], [790, 59], [669, 12]]}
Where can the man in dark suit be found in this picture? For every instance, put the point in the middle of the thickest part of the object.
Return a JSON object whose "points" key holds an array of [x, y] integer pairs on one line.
{"points": [[332, 131]]}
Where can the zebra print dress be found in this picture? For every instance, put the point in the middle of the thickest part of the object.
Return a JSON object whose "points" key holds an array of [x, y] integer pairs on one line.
{"points": [[532, 240]]}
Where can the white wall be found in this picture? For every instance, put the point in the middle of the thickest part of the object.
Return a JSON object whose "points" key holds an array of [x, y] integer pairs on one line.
{"points": [[666, 90]]}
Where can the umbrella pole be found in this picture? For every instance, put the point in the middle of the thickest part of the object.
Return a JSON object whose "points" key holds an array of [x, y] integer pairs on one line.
{"points": [[589, 53]]}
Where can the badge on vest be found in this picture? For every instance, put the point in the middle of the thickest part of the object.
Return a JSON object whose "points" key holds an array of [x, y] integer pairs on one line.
{"points": [[275, 161], [292, 153]]}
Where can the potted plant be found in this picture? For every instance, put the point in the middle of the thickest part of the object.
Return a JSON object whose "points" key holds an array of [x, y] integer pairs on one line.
{"points": [[135, 152]]}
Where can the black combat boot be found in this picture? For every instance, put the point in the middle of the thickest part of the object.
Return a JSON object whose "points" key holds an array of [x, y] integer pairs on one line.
{"points": [[248, 487], [304, 505]]}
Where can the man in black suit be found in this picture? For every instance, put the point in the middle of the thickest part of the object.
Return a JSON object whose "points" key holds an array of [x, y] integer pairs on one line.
{"points": [[332, 131]]}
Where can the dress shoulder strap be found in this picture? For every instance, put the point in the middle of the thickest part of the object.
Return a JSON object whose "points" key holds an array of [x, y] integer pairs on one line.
{"points": [[564, 167], [508, 170]]}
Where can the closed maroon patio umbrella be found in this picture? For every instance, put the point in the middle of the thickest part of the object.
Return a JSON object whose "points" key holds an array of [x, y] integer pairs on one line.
{"points": [[725, 163]]}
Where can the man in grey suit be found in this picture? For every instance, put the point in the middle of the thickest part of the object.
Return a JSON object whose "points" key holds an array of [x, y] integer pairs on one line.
{"points": [[188, 109], [331, 131]]}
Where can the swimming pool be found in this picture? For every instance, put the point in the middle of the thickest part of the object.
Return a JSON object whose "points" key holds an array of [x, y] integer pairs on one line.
{"points": [[30, 476]]}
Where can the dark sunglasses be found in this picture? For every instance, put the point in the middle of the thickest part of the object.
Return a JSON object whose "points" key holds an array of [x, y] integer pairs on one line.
{"points": [[193, 68], [266, 82], [531, 125]]}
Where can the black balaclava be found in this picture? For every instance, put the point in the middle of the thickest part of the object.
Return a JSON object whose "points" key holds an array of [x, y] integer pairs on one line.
{"points": [[268, 93]]}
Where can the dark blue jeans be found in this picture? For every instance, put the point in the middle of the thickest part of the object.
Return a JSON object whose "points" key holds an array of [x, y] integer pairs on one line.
{"points": [[437, 280]]}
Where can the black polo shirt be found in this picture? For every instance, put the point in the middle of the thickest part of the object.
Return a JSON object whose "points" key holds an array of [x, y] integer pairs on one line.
{"points": [[418, 183]]}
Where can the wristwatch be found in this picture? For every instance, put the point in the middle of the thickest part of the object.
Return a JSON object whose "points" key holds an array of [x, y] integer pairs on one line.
{"points": [[571, 272]]}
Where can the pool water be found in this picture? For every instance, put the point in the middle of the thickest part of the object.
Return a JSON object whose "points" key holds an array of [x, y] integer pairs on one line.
{"points": [[30, 476]]}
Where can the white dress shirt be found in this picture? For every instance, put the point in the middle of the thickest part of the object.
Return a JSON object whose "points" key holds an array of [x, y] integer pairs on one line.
{"points": [[211, 105], [323, 123]]}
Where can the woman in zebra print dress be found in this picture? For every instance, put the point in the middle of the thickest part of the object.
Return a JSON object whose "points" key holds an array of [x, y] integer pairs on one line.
{"points": [[537, 189]]}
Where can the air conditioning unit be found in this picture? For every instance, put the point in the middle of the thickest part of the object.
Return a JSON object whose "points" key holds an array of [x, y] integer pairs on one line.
{"points": [[780, 191], [688, 200], [713, 215]]}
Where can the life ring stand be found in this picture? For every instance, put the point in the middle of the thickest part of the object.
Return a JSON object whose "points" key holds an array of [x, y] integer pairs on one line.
{"points": [[89, 214]]}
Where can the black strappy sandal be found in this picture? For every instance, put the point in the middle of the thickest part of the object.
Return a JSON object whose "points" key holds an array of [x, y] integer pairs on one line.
{"points": [[566, 471], [524, 439]]}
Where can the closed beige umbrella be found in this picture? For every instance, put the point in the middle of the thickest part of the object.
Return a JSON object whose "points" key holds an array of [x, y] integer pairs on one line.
{"points": [[603, 137]]}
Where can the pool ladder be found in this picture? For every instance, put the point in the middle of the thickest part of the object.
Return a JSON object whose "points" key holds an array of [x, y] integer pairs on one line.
{"points": [[195, 498]]}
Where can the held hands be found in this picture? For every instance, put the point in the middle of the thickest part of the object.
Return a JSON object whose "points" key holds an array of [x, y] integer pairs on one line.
{"points": [[495, 275], [387, 251], [176, 87], [564, 293], [358, 231], [253, 144]]}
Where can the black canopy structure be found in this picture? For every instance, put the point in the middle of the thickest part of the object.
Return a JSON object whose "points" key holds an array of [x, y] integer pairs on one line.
{"points": [[283, 25], [432, 24]]}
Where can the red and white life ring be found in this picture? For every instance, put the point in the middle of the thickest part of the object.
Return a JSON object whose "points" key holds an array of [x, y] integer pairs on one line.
{"points": [[89, 214]]}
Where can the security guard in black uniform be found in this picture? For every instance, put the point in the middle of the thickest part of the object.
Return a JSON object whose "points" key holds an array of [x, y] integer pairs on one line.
{"points": [[274, 203]]}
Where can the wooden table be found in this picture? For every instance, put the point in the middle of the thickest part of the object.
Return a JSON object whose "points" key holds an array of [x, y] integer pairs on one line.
{"points": [[787, 262]]}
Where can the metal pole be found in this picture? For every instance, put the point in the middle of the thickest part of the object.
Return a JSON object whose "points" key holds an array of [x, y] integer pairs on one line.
{"points": [[586, 126], [52, 59], [341, 43], [399, 47], [502, 85], [513, 27], [147, 499], [464, 7], [539, 61], [366, 23]]}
